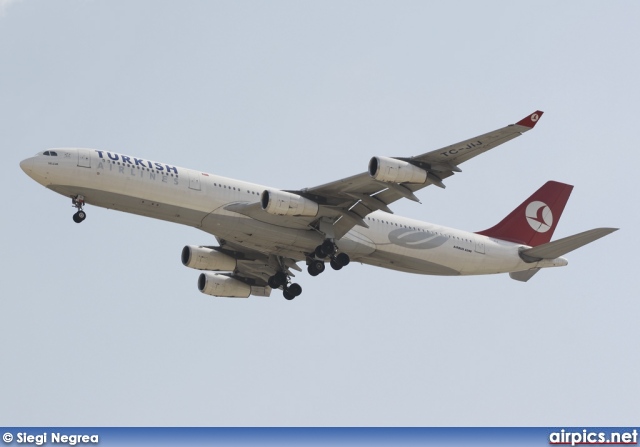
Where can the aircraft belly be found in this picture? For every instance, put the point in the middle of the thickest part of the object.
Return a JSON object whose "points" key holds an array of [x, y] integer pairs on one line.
{"points": [[268, 238], [407, 263], [416, 252], [134, 205], [498, 258], [260, 236], [442, 251]]}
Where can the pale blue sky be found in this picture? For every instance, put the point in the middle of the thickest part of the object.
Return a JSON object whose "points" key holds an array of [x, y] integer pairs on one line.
{"points": [[102, 325]]}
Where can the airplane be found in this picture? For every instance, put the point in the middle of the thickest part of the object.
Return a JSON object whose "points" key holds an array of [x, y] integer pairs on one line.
{"points": [[263, 232]]}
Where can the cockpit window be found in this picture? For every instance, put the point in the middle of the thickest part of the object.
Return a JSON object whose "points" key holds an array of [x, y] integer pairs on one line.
{"points": [[50, 153], [46, 153]]}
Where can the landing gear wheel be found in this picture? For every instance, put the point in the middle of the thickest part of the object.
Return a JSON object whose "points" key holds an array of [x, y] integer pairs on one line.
{"points": [[327, 248], [319, 252], [277, 280], [343, 259], [281, 278], [294, 289], [318, 266], [335, 264], [315, 267], [79, 216]]}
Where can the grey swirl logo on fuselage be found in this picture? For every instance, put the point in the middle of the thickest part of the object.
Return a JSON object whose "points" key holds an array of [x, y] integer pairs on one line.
{"points": [[418, 240]]}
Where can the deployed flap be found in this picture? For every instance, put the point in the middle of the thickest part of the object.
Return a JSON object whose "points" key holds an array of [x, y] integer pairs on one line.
{"points": [[562, 246]]}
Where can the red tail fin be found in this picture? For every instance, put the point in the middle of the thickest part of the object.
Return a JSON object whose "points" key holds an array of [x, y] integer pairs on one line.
{"points": [[535, 220]]}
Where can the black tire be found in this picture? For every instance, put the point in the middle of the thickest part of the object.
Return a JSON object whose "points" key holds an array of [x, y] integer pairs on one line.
{"points": [[76, 219], [328, 247], [335, 265], [343, 259], [320, 252], [81, 215], [294, 289], [318, 266], [312, 271], [280, 278], [273, 283], [288, 295]]}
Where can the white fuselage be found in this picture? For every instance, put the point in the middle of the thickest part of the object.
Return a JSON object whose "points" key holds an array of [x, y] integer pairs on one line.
{"points": [[198, 199]]}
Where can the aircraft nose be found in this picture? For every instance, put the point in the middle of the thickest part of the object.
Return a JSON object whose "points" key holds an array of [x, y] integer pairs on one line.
{"points": [[27, 165]]}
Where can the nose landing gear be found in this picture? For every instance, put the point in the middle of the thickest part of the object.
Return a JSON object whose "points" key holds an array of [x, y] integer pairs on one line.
{"points": [[78, 202]]}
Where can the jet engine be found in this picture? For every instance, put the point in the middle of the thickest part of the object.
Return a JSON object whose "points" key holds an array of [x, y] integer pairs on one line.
{"points": [[203, 258], [391, 170], [215, 284], [282, 203]]}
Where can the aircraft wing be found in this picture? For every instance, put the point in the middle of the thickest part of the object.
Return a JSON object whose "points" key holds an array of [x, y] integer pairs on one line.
{"points": [[346, 202]]}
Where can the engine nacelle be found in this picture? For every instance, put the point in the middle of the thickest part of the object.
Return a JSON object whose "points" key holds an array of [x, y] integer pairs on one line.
{"points": [[390, 170], [219, 285], [203, 258], [282, 203]]}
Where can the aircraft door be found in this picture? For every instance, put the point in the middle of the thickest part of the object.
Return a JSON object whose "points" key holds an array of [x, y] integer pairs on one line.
{"points": [[194, 180], [479, 246], [84, 158]]}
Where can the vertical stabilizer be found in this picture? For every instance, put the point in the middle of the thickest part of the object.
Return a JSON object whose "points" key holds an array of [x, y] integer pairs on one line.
{"points": [[535, 220]]}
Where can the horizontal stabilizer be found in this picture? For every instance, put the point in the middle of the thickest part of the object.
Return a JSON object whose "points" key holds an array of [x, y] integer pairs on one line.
{"points": [[524, 275], [555, 249]]}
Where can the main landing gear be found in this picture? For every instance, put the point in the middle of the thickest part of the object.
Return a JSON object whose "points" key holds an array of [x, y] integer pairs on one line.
{"points": [[315, 266], [328, 249], [78, 202], [280, 279]]}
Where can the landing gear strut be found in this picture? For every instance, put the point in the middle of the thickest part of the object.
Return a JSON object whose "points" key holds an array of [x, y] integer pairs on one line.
{"points": [[280, 280], [78, 202]]}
